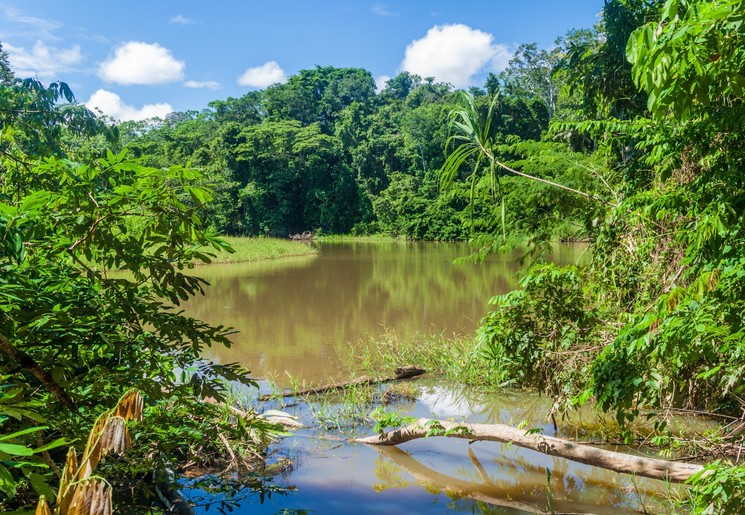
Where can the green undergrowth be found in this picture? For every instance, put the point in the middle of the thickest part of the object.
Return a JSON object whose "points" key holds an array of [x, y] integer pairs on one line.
{"points": [[449, 357], [347, 411]]}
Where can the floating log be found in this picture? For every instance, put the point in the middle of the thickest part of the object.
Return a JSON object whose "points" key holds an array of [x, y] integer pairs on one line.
{"points": [[616, 461], [405, 372]]}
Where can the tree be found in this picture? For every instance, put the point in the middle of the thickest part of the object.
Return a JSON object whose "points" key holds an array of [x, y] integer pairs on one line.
{"points": [[6, 74], [318, 95], [596, 61], [475, 145], [94, 259], [246, 110], [531, 72]]}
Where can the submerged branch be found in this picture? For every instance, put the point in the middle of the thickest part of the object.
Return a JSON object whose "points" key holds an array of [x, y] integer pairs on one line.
{"points": [[405, 372]]}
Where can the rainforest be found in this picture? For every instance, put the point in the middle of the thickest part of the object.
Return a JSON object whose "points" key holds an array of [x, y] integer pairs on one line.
{"points": [[622, 140]]}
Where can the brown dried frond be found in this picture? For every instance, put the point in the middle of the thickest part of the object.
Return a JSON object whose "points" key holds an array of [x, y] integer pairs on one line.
{"points": [[66, 488], [115, 436], [92, 497], [130, 406], [110, 433], [42, 507], [92, 452]]}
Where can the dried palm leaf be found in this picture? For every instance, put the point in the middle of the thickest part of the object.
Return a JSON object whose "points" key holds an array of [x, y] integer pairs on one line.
{"points": [[130, 406], [66, 487], [92, 497], [42, 508]]}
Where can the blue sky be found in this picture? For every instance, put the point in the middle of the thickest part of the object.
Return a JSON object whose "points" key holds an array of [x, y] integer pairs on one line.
{"points": [[136, 59]]}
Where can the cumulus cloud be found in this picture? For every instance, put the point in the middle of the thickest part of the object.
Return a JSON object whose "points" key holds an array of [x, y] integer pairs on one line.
{"points": [[263, 76], [135, 62], [380, 82], [43, 61], [182, 20], [112, 105], [202, 84], [455, 54]]}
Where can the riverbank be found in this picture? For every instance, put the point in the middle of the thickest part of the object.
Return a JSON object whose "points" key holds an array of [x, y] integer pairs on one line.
{"points": [[249, 249], [350, 238]]}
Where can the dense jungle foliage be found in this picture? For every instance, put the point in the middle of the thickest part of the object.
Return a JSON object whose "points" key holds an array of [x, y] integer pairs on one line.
{"points": [[626, 135], [95, 257]]}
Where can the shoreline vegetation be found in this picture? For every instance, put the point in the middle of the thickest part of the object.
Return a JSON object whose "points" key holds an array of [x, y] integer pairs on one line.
{"points": [[253, 249]]}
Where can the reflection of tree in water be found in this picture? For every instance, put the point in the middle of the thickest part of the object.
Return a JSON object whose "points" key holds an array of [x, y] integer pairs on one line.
{"points": [[505, 407], [521, 470], [292, 315], [520, 485], [390, 476]]}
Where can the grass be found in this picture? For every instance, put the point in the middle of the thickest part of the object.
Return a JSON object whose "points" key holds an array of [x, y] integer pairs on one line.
{"points": [[450, 357], [262, 249]]}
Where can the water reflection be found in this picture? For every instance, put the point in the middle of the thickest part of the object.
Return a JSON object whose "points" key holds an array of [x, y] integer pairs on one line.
{"points": [[444, 475], [292, 314]]}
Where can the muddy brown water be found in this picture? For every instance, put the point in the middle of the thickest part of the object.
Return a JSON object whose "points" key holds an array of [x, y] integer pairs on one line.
{"points": [[294, 315]]}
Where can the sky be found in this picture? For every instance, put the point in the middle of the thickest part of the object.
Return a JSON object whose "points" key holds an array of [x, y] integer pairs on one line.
{"points": [[136, 59]]}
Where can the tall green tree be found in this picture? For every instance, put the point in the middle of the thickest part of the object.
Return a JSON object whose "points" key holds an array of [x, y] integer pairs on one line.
{"points": [[318, 95], [95, 258]]}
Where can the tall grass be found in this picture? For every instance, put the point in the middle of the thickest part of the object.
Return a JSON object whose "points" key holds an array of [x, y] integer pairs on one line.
{"points": [[260, 249], [451, 357]]}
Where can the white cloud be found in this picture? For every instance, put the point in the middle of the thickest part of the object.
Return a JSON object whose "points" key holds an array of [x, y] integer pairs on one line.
{"points": [[196, 84], [380, 82], [263, 76], [454, 54], [182, 20], [39, 27], [135, 62], [43, 61], [112, 105], [381, 10]]}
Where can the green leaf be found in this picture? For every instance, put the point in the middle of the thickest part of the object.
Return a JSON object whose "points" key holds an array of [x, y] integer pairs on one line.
{"points": [[15, 449], [41, 487], [22, 432]]}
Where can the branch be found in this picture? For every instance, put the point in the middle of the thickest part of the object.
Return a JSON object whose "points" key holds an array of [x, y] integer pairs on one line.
{"points": [[616, 461], [33, 367], [551, 183], [90, 231]]}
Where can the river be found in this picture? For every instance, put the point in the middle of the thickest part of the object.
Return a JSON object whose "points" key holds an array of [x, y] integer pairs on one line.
{"points": [[293, 317]]}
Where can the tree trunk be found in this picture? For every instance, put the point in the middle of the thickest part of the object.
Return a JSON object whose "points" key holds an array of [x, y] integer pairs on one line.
{"points": [[616, 461]]}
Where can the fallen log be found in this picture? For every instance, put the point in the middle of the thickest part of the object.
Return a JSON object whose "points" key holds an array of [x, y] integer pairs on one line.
{"points": [[405, 372], [616, 461]]}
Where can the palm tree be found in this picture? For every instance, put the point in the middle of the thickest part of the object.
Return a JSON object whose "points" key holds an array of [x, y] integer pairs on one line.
{"points": [[471, 133]]}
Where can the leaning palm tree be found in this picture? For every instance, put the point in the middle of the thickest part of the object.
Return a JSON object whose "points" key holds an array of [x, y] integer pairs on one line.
{"points": [[470, 134]]}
